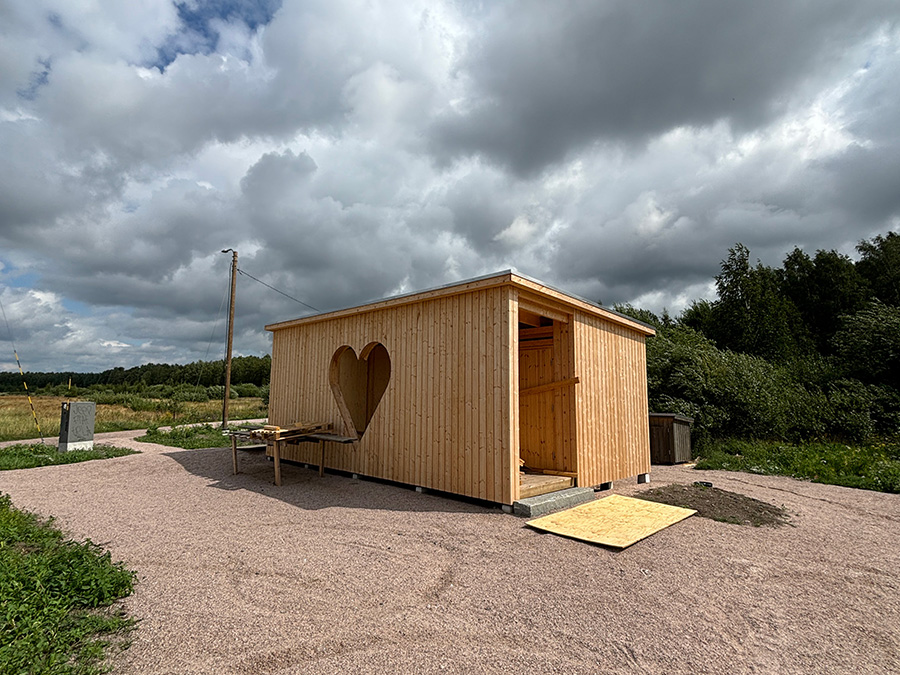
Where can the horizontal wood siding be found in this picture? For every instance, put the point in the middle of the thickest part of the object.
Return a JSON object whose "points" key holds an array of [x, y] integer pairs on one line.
{"points": [[611, 401], [444, 419]]}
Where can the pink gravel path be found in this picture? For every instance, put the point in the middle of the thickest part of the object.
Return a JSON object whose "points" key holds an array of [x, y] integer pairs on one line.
{"points": [[336, 575]]}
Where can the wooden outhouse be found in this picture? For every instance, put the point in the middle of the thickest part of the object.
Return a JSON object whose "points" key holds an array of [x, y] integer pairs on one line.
{"points": [[495, 388]]}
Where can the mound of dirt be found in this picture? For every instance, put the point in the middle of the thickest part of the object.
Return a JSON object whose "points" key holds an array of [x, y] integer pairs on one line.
{"points": [[711, 502]]}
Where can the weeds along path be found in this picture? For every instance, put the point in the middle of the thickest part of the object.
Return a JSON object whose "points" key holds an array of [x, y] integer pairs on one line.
{"points": [[126, 438], [335, 575]]}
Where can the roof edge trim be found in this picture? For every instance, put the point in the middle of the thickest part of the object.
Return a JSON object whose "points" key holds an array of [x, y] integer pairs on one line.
{"points": [[506, 277]]}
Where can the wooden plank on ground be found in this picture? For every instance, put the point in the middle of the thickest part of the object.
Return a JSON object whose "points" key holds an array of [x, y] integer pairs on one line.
{"points": [[615, 521], [534, 484]]}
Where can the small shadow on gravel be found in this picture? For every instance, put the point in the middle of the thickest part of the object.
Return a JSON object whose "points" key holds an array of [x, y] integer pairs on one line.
{"points": [[711, 502], [304, 488]]}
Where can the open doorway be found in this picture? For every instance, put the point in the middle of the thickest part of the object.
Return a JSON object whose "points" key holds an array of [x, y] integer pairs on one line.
{"points": [[547, 448]]}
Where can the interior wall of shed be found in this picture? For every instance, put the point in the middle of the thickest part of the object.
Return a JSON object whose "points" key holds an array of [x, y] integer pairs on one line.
{"points": [[546, 415]]}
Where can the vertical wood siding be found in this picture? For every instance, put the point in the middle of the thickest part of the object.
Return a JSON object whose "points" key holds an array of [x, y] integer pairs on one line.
{"points": [[451, 417], [565, 429], [444, 421], [536, 412], [611, 401]]}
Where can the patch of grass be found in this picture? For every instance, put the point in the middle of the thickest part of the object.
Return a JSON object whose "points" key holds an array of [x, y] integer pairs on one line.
{"points": [[716, 504], [873, 466], [28, 456], [57, 594], [17, 423], [190, 438]]}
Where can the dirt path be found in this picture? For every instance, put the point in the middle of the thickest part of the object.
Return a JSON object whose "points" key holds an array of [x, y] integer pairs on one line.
{"points": [[335, 575]]}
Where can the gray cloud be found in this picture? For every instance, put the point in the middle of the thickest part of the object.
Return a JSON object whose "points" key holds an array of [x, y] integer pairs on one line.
{"points": [[349, 151], [547, 79]]}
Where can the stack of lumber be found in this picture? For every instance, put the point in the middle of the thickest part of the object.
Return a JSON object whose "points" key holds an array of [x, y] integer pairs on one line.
{"points": [[276, 433]]}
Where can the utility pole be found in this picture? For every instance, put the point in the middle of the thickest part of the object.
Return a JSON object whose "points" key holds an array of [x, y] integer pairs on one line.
{"points": [[230, 337]]}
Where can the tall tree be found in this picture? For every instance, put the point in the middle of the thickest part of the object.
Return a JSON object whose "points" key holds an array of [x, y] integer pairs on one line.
{"points": [[868, 344], [700, 316], [880, 265], [751, 314], [823, 289]]}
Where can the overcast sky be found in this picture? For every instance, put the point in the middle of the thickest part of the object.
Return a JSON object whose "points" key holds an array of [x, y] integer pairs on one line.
{"points": [[351, 149]]}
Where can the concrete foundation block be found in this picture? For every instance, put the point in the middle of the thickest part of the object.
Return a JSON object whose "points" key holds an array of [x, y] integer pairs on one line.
{"points": [[532, 507]]}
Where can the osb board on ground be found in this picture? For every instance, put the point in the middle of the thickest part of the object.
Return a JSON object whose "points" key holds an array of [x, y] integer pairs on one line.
{"points": [[612, 521]]}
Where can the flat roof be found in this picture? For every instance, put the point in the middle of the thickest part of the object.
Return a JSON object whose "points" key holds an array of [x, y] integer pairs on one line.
{"points": [[504, 278]]}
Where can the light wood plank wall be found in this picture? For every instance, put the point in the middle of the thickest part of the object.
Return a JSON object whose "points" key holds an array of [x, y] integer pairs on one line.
{"points": [[447, 419], [548, 433], [537, 435], [611, 401]]}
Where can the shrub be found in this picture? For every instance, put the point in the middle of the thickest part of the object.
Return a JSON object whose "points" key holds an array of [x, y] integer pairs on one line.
{"points": [[868, 344], [51, 590], [731, 394], [190, 393], [158, 391], [247, 390], [217, 391]]}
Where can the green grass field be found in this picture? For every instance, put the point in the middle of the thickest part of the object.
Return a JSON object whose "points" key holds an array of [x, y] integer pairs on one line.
{"points": [[28, 456], [869, 466], [17, 423], [191, 438]]}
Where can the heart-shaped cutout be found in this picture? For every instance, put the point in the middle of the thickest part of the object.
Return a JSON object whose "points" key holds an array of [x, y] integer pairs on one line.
{"points": [[358, 384]]}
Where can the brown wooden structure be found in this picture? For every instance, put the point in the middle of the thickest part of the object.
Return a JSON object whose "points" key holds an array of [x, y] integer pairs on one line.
{"points": [[670, 438], [456, 388]]}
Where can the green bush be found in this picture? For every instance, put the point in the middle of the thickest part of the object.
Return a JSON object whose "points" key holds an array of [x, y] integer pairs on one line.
{"points": [[141, 404], [189, 393], [247, 390], [158, 391], [851, 404], [738, 395], [868, 344], [108, 397], [27, 456], [189, 437], [52, 591], [217, 391]]}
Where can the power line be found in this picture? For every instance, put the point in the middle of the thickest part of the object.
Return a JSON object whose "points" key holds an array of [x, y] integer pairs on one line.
{"points": [[211, 337], [21, 372], [277, 291]]}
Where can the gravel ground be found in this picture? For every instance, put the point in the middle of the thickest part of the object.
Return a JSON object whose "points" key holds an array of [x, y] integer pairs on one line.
{"points": [[336, 575]]}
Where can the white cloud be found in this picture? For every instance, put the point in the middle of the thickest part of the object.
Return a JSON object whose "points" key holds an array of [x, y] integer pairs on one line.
{"points": [[349, 150]]}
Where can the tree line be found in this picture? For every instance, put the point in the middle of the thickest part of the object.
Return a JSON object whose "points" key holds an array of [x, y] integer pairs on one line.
{"points": [[244, 370], [807, 350]]}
